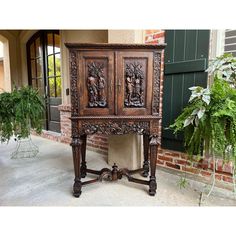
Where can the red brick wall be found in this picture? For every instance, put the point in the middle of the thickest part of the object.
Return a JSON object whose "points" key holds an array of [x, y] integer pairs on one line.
{"points": [[154, 36], [97, 143], [203, 168]]}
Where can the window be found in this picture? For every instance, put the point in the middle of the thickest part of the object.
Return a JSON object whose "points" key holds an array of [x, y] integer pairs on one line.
{"points": [[230, 42], [36, 66], [54, 64]]}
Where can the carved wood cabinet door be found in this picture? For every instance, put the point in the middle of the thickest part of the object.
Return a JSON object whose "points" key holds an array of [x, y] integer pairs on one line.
{"points": [[134, 82], [96, 82]]}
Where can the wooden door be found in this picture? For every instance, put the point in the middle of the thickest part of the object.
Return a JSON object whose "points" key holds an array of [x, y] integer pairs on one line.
{"points": [[96, 82], [134, 82], [186, 59]]}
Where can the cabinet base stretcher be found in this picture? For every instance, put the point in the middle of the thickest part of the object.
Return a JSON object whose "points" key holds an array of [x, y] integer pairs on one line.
{"points": [[114, 174], [79, 153]]}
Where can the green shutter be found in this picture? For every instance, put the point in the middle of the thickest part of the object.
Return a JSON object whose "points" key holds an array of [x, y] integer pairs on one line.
{"points": [[186, 59]]}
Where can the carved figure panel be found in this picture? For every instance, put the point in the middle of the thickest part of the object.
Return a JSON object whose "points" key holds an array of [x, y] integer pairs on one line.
{"points": [[135, 79], [96, 83]]}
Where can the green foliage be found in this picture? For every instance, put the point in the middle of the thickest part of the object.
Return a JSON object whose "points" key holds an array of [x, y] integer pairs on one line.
{"points": [[224, 67], [209, 119], [182, 183], [20, 110]]}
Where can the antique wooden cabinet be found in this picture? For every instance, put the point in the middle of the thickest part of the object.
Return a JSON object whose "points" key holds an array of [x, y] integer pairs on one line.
{"points": [[115, 90]]}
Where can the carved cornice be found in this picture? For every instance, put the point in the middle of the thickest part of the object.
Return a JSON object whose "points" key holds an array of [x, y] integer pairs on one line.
{"points": [[112, 117], [115, 127], [114, 46], [156, 81]]}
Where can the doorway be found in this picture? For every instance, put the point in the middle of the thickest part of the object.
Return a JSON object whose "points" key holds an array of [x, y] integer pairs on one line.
{"points": [[44, 73]]}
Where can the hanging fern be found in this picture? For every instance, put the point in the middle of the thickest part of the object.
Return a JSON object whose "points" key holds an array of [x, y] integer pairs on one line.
{"points": [[209, 119], [20, 111]]}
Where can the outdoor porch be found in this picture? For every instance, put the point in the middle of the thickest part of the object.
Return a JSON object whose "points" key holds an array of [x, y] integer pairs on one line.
{"points": [[47, 181]]}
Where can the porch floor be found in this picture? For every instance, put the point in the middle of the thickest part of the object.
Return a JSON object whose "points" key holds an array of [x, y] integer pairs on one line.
{"points": [[47, 181]]}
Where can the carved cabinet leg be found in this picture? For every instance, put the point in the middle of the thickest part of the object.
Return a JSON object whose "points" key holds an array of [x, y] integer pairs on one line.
{"points": [[76, 149], [153, 157], [145, 154], [83, 167]]}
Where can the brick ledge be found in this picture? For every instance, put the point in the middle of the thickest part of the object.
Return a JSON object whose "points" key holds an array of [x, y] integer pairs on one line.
{"points": [[65, 107]]}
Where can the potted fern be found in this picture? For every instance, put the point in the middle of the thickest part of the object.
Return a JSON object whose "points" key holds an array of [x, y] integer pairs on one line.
{"points": [[20, 111], [209, 119]]}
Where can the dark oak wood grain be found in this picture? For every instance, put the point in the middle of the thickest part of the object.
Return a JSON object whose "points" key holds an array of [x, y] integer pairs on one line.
{"points": [[115, 90]]}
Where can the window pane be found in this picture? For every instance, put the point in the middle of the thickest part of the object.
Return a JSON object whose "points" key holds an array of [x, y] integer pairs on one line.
{"points": [[33, 71], [50, 44], [37, 44], [32, 51], [57, 43], [39, 67], [58, 64], [34, 84], [58, 86], [40, 86], [51, 65], [51, 87]]}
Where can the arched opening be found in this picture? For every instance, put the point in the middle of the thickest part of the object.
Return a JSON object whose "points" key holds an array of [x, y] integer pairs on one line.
{"points": [[5, 73], [1, 68], [44, 73]]}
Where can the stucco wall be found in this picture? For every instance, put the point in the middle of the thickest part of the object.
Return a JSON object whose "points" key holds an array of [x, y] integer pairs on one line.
{"points": [[24, 36], [1, 49], [12, 62], [125, 36], [1, 76]]}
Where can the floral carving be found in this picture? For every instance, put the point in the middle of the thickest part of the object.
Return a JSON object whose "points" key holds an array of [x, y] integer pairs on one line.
{"points": [[74, 92], [118, 127], [156, 81]]}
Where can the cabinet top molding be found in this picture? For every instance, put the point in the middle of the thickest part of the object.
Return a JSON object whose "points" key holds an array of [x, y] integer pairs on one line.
{"points": [[114, 46]]}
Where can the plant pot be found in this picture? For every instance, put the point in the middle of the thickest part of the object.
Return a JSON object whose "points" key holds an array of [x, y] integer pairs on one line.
{"points": [[25, 149]]}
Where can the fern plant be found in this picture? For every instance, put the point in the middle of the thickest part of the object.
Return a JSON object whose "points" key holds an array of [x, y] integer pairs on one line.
{"points": [[209, 119], [20, 111]]}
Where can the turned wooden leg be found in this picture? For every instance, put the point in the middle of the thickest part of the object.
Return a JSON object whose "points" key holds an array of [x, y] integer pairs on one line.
{"points": [[76, 149], [145, 154], [83, 167], [154, 142]]}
